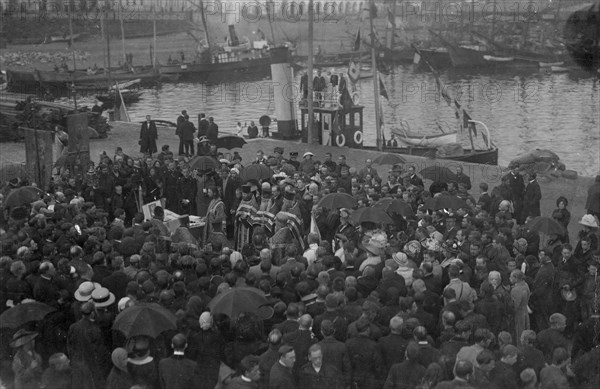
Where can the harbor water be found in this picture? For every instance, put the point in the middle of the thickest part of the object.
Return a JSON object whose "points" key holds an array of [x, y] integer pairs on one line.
{"points": [[523, 111]]}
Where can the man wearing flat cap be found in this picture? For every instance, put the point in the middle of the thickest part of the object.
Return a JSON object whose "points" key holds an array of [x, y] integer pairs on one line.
{"points": [[294, 160], [281, 376]]}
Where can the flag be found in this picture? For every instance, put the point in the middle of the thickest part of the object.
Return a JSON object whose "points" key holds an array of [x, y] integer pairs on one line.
{"points": [[353, 72], [314, 229], [391, 19], [466, 124], [382, 90], [346, 101], [124, 115], [457, 109], [446, 96], [357, 40]]}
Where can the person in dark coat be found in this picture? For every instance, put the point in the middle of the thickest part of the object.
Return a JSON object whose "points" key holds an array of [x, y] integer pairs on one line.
{"points": [[301, 340], [317, 374], [503, 375], [462, 374], [529, 355], [407, 374], [141, 365], [250, 377], [334, 352], [304, 85], [269, 357], [542, 293], [117, 281], [85, 346], [148, 137], [202, 127], [517, 188], [186, 192], [206, 346], [531, 199], [186, 134], [180, 120], [412, 177], [393, 346], [177, 371], [365, 358], [212, 131], [281, 376], [45, 290], [170, 179], [119, 377], [592, 203], [463, 178]]}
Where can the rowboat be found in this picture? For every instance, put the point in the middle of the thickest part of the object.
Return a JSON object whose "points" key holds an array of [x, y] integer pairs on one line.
{"points": [[415, 140]]}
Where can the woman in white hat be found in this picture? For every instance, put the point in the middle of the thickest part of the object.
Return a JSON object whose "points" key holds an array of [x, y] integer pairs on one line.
{"points": [[27, 364], [587, 237]]}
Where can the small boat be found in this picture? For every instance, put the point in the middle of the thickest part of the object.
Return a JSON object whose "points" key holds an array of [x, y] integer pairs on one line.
{"points": [[559, 69], [491, 58], [129, 96], [437, 57], [411, 139], [550, 64], [99, 76], [62, 38]]}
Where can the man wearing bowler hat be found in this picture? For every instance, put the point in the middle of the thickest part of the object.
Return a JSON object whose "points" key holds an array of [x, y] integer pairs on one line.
{"points": [[294, 160]]}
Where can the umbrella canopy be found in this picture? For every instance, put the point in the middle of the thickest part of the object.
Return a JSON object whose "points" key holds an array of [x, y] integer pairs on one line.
{"points": [[371, 214], [23, 195], [438, 174], [204, 162], [230, 142], [257, 171], [445, 202], [546, 225], [145, 319], [396, 206], [389, 159], [237, 300], [337, 200], [23, 313]]}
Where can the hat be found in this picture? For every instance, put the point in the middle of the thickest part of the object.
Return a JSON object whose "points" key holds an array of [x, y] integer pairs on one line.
{"points": [[235, 170], [370, 306], [265, 312], [280, 175], [102, 297], [84, 292], [278, 150], [246, 188], [225, 161], [123, 303], [308, 153], [520, 244], [400, 258], [451, 246], [568, 295], [119, 358], [286, 348], [376, 244], [289, 194], [331, 301], [589, 221], [293, 153], [22, 337], [413, 247]]}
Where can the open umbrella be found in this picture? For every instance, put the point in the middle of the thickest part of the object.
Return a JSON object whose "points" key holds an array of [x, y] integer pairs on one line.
{"points": [[370, 214], [438, 174], [389, 159], [237, 300], [546, 225], [149, 319], [23, 195], [337, 200], [445, 202], [204, 162], [257, 171], [396, 206], [23, 313], [230, 142]]}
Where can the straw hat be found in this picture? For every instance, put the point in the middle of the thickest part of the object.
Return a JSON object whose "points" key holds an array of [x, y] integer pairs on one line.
{"points": [[84, 292], [376, 244], [119, 358], [400, 258], [22, 337], [589, 221], [102, 297]]}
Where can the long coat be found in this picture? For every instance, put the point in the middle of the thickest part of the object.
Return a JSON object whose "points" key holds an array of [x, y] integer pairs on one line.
{"points": [[592, 204], [89, 357], [520, 294], [531, 200], [148, 137]]}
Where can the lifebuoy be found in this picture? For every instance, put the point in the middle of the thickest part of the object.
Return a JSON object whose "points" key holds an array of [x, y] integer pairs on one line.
{"points": [[340, 140], [355, 98], [358, 137]]}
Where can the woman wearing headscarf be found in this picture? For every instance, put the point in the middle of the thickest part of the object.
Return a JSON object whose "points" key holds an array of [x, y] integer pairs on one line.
{"points": [[119, 377], [562, 215], [206, 345]]}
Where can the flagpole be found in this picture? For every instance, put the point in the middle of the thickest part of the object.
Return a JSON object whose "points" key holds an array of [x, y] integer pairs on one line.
{"points": [[375, 76], [309, 130]]}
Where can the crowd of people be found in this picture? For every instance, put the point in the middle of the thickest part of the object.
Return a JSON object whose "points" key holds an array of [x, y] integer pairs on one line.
{"points": [[460, 297]]}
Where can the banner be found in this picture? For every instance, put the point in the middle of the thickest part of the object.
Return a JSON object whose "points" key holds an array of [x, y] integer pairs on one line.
{"points": [[357, 41]]}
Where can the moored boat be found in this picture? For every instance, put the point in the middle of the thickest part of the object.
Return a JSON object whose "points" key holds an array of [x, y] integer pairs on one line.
{"points": [[412, 139], [91, 77]]}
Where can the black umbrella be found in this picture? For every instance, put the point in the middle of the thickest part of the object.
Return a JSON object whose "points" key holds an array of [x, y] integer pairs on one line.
{"points": [[396, 206], [389, 159], [148, 319], [230, 142], [438, 174], [337, 200], [204, 163], [445, 202], [237, 300], [371, 214], [23, 313], [23, 195], [257, 171], [546, 225]]}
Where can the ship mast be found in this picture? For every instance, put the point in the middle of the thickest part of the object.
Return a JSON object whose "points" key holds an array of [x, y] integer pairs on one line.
{"points": [[309, 71], [375, 76]]}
